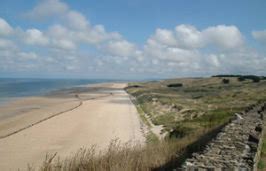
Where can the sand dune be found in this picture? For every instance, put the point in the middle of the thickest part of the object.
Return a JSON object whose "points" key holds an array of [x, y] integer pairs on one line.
{"points": [[108, 115]]}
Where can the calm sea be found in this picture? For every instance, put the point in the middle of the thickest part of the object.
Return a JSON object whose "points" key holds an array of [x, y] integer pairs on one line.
{"points": [[12, 88]]}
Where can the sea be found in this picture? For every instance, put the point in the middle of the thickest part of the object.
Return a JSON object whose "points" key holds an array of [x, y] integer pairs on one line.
{"points": [[14, 88]]}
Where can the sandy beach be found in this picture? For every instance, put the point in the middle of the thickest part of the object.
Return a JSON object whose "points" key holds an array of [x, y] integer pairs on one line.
{"points": [[64, 122]]}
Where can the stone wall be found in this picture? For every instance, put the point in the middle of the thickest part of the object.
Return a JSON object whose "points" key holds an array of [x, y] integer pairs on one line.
{"points": [[236, 147]]}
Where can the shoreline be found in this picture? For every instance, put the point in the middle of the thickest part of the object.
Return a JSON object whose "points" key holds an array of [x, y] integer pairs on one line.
{"points": [[43, 92], [20, 107], [87, 111]]}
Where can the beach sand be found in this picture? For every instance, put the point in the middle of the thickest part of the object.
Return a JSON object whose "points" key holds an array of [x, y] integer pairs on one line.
{"points": [[64, 123]]}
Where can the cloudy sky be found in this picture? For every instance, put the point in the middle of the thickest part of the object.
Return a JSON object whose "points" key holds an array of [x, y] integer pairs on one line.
{"points": [[131, 39]]}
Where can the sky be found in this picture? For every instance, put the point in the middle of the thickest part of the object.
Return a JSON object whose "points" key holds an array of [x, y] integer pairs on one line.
{"points": [[137, 39]]}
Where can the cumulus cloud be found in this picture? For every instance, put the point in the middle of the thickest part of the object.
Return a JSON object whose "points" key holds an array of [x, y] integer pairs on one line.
{"points": [[5, 28], [63, 44], [225, 37], [47, 8], [75, 45], [165, 36], [58, 32], [61, 37], [189, 37], [73, 28], [96, 35], [35, 37], [120, 48], [260, 36], [190, 51], [76, 20], [159, 51], [27, 55], [7, 44], [214, 60]]}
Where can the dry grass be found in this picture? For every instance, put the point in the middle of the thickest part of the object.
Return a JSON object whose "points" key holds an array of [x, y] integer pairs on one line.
{"points": [[126, 157]]}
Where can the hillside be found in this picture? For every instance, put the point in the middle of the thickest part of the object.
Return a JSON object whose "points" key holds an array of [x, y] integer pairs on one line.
{"points": [[182, 106]]}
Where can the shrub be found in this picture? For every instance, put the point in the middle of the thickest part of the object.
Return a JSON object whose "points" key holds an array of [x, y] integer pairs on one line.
{"points": [[226, 81], [256, 79], [175, 85], [241, 78]]}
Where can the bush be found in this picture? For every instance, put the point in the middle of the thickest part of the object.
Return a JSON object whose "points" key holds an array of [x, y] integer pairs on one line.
{"points": [[133, 86], [175, 85], [256, 79], [241, 78], [226, 81]]}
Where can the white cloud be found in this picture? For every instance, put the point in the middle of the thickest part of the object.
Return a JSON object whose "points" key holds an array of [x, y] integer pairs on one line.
{"points": [[6, 44], [61, 37], [120, 48], [47, 8], [259, 36], [188, 37], [58, 32], [213, 59], [72, 29], [155, 50], [35, 37], [93, 35], [5, 28], [165, 36], [76, 20], [75, 45], [187, 57], [27, 55], [64, 44], [225, 37]]}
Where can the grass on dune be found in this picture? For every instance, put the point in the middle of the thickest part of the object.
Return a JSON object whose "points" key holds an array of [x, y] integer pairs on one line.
{"points": [[123, 157]]}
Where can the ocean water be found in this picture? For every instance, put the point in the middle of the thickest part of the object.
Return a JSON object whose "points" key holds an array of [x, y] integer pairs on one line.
{"points": [[12, 88]]}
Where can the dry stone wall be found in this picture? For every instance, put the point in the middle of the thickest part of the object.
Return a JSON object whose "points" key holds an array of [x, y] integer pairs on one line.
{"points": [[236, 147]]}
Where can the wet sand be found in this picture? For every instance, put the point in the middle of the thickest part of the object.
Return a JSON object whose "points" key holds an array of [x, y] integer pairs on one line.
{"points": [[72, 119]]}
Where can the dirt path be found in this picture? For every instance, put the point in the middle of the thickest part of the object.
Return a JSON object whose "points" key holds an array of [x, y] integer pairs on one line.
{"points": [[96, 121]]}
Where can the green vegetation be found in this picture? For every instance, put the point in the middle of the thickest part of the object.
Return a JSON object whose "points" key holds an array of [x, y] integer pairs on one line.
{"points": [[199, 103], [226, 81], [151, 138], [262, 162], [175, 85], [254, 78]]}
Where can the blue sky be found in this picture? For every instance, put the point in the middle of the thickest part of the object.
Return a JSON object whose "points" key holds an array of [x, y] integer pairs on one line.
{"points": [[132, 39]]}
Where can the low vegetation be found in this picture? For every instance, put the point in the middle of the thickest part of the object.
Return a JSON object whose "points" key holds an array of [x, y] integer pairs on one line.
{"points": [[226, 81], [262, 162], [189, 111], [254, 78], [156, 155], [198, 103]]}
